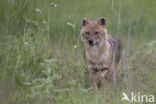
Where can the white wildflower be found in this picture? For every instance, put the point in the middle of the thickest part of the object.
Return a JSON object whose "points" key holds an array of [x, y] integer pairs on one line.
{"points": [[75, 46], [38, 10], [70, 24], [53, 5], [44, 22], [26, 43]]}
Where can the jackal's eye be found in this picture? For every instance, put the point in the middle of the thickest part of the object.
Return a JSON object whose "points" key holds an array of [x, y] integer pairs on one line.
{"points": [[97, 33], [87, 33]]}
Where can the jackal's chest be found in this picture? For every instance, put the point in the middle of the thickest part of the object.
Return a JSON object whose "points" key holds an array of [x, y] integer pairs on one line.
{"points": [[97, 56]]}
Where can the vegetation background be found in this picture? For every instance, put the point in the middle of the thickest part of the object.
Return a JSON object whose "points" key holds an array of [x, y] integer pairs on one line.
{"points": [[39, 63]]}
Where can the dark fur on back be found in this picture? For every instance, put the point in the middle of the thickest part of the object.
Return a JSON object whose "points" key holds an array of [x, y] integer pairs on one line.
{"points": [[116, 47]]}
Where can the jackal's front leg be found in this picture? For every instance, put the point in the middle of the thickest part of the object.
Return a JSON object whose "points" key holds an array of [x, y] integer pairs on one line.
{"points": [[95, 80]]}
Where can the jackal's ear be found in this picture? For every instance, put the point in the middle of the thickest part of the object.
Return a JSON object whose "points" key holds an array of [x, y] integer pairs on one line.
{"points": [[102, 21], [85, 22]]}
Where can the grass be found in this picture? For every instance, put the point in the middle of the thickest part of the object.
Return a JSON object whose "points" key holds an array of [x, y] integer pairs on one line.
{"points": [[37, 60]]}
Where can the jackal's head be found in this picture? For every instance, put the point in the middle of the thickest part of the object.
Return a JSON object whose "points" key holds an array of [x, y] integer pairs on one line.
{"points": [[94, 32]]}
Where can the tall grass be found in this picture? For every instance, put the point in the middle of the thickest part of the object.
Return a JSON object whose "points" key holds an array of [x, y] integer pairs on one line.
{"points": [[37, 53]]}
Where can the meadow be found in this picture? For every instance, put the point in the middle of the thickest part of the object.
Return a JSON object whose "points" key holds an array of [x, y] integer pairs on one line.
{"points": [[41, 53]]}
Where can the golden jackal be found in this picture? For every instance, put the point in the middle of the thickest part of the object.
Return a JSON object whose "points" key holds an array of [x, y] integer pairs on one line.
{"points": [[101, 50]]}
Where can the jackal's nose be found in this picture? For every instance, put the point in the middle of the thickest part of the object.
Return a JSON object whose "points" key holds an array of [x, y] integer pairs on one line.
{"points": [[90, 42]]}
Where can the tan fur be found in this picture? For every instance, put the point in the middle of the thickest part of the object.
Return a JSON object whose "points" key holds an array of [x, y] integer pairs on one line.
{"points": [[99, 57]]}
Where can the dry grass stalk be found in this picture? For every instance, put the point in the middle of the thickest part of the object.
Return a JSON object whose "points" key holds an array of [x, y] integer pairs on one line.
{"points": [[118, 26], [114, 66]]}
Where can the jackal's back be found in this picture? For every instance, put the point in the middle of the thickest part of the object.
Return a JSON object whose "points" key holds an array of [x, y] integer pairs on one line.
{"points": [[116, 47]]}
